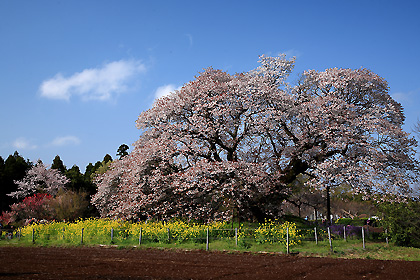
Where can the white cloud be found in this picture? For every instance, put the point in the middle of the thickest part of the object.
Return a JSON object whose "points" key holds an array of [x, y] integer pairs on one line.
{"points": [[65, 141], [100, 83], [23, 144], [165, 90]]}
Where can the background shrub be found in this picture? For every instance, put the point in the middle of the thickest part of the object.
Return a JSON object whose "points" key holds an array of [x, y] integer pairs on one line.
{"points": [[403, 222]]}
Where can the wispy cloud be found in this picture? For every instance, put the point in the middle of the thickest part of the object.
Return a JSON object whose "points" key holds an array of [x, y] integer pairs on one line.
{"points": [[165, 90], [65, 141], [190, 39], [100, 83], [22, 143]]}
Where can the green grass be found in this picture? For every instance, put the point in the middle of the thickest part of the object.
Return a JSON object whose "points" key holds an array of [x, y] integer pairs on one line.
{"points": [[351, 249]]}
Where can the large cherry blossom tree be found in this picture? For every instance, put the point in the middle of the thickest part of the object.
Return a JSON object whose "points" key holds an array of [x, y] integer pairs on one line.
{"points": [[40, 179], [226, 144]]}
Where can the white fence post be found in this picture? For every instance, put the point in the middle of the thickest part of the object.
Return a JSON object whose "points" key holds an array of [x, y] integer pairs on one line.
{"points": [[329, 237], [207, 239], [363, 238], [345, 238], [316, 237], [287, 240], [236, 236]]}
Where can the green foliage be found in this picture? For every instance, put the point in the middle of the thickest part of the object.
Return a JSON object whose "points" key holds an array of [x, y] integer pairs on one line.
{"points": [[403, 222], [104, 167], [78, 181], [300, 222], [358, 222]]}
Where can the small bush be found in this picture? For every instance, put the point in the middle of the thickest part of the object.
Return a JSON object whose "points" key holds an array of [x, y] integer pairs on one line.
{"points": [[403, 222]]}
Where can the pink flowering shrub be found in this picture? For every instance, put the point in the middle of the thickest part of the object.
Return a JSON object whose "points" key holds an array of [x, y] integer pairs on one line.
{"points": [[36, 206]]}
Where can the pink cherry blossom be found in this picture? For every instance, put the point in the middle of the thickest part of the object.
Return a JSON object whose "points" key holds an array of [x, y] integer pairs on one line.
{"points": [[40, 179], [225, 144]]}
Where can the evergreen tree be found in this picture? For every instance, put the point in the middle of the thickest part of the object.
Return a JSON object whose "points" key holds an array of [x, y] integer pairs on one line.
{"points": [[58, 164], [122, 150], [77, 179], [107, 158], [14, 168], [89, 170], [80, 182]]}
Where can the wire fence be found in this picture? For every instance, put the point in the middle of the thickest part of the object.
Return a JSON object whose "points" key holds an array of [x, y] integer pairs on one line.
{"points": [[281, 238]]}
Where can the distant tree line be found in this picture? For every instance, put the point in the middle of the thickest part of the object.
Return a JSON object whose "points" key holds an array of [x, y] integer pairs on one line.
{"points": [[72, 202]]}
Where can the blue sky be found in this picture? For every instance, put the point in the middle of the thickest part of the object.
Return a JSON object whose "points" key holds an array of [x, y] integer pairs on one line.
{"points": [[75, 75]]}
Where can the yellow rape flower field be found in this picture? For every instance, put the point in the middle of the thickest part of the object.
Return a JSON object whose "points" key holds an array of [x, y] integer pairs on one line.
{"points": [[221, 235], [268, 237]]}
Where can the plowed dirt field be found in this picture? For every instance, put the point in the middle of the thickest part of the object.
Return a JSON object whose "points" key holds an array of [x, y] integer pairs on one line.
{"points": [[113, 263]]}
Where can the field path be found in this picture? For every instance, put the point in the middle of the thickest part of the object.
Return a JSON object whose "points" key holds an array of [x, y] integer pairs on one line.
{"points": [[112, 263]]}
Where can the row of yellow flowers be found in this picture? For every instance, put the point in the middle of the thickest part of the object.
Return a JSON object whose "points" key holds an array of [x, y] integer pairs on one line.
{"points": [[97, 231]]}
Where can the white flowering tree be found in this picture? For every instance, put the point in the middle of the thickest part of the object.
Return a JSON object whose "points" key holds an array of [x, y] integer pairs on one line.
{"points": [[40, 179], [232, 143]]}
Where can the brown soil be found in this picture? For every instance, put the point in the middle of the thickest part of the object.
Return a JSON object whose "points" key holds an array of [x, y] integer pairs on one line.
{"points": [[112, 263]]}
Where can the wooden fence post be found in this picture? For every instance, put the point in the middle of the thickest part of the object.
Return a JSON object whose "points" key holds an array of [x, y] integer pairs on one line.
{"points": [[81, 240], [287, 240], [236, 236], [33, 235], [316, 237], [112, 235], [329, 237], [169, 235]]}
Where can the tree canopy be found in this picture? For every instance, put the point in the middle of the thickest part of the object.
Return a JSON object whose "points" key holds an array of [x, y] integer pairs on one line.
{"points": [[58, 164], [40, 179], [226, 143]]}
